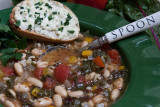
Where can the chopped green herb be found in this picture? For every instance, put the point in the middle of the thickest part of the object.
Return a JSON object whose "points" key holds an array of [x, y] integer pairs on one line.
{"points": [[29, 27], [21, 7], [30, 15], [40, 8], [38, 4], [38, 20], [18, 23], [45, 14], [21, 12], [60, 29], [24, 20], [28, 10], [47, 5], [71, 31], [37, 13], [61, 23], [37, 7], [10, 83], [67, 20], [47, 25], [54, 13], [50, 17]]}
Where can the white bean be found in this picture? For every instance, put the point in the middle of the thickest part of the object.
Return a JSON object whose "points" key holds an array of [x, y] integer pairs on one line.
{"points": [[6, 78], [112, 67], [90, 103], [100, 105], [24, 56], [114, 94], [21, 88], [41, 64], [2, 97], [97, 77], [8, 103], [57, 99], [36, 52], [76, 94], [91, 76], [98, 99], [12, 92], [84, 43], [61, 91], [18, 68], [118, 83], [106, 74], [43, 102], [16, 103], [105, 104], [35, 82]]}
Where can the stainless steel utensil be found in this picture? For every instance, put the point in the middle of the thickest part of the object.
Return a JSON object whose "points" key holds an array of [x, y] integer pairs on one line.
{"points": [[120, 33], [125, 31]]}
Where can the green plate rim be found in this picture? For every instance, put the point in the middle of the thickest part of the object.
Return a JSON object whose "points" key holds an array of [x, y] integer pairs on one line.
{"points": [[139, 52]]}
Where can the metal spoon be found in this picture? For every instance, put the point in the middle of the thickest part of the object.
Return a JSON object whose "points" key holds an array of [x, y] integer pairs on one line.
{"points": [[123, 32]]}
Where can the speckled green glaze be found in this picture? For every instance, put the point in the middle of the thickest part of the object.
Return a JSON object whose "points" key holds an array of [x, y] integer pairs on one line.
{"points": [[141, 56]]}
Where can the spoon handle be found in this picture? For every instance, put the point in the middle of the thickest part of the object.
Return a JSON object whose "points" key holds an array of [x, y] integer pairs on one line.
{"points": [[127, 30]]}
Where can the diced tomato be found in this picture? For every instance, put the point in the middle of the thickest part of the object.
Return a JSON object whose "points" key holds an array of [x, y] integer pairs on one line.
{"points": [[61, 73], [38, 73], [49, 83], [8, 71], [100, 4], [114, 55]]}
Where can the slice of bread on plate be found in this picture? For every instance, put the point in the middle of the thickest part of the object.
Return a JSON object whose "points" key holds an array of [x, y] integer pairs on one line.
{"points": [[44, 20]]}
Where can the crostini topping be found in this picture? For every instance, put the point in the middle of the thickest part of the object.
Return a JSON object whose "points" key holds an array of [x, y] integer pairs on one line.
{"points": [[47, 18]]}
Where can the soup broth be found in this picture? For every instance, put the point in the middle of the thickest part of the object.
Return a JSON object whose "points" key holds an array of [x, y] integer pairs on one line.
{"points": [[63, 77]]}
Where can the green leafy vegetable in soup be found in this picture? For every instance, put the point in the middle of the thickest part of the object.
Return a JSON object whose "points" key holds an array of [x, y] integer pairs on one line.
{"points": [[73, 78]]}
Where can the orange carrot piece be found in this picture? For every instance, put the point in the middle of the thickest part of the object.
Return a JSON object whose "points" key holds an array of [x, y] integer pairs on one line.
{"points": [[98, 61]]}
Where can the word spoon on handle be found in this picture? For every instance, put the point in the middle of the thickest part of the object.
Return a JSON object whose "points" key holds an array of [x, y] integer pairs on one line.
{"points": [[120, 33], [126, 31]]}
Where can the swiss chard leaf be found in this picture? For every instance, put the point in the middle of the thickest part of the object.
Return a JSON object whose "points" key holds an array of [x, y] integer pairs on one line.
{"points": [[9, 43], [5, 58], [129, 10], [21, 44], [17, 55], [4, 28], [8, 56], [7, 50]]}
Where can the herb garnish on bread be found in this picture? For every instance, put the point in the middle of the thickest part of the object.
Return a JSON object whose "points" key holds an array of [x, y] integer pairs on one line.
{"points": [[44, 20]]}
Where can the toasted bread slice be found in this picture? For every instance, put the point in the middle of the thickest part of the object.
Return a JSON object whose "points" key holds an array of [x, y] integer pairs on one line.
{"points": [[44, 20]]}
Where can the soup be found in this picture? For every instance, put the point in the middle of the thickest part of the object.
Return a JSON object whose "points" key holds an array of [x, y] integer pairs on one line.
{"points": [[62, 77]]}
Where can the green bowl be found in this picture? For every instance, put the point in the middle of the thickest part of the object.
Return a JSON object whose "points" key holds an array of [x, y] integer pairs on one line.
{"points": [[141, 56]]}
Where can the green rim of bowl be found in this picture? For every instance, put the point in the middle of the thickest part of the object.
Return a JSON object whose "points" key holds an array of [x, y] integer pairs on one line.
{"points": [[139, 53]]}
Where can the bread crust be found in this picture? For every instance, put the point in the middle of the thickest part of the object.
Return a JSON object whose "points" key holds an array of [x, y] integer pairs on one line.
{"points": [[33, 35]]}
